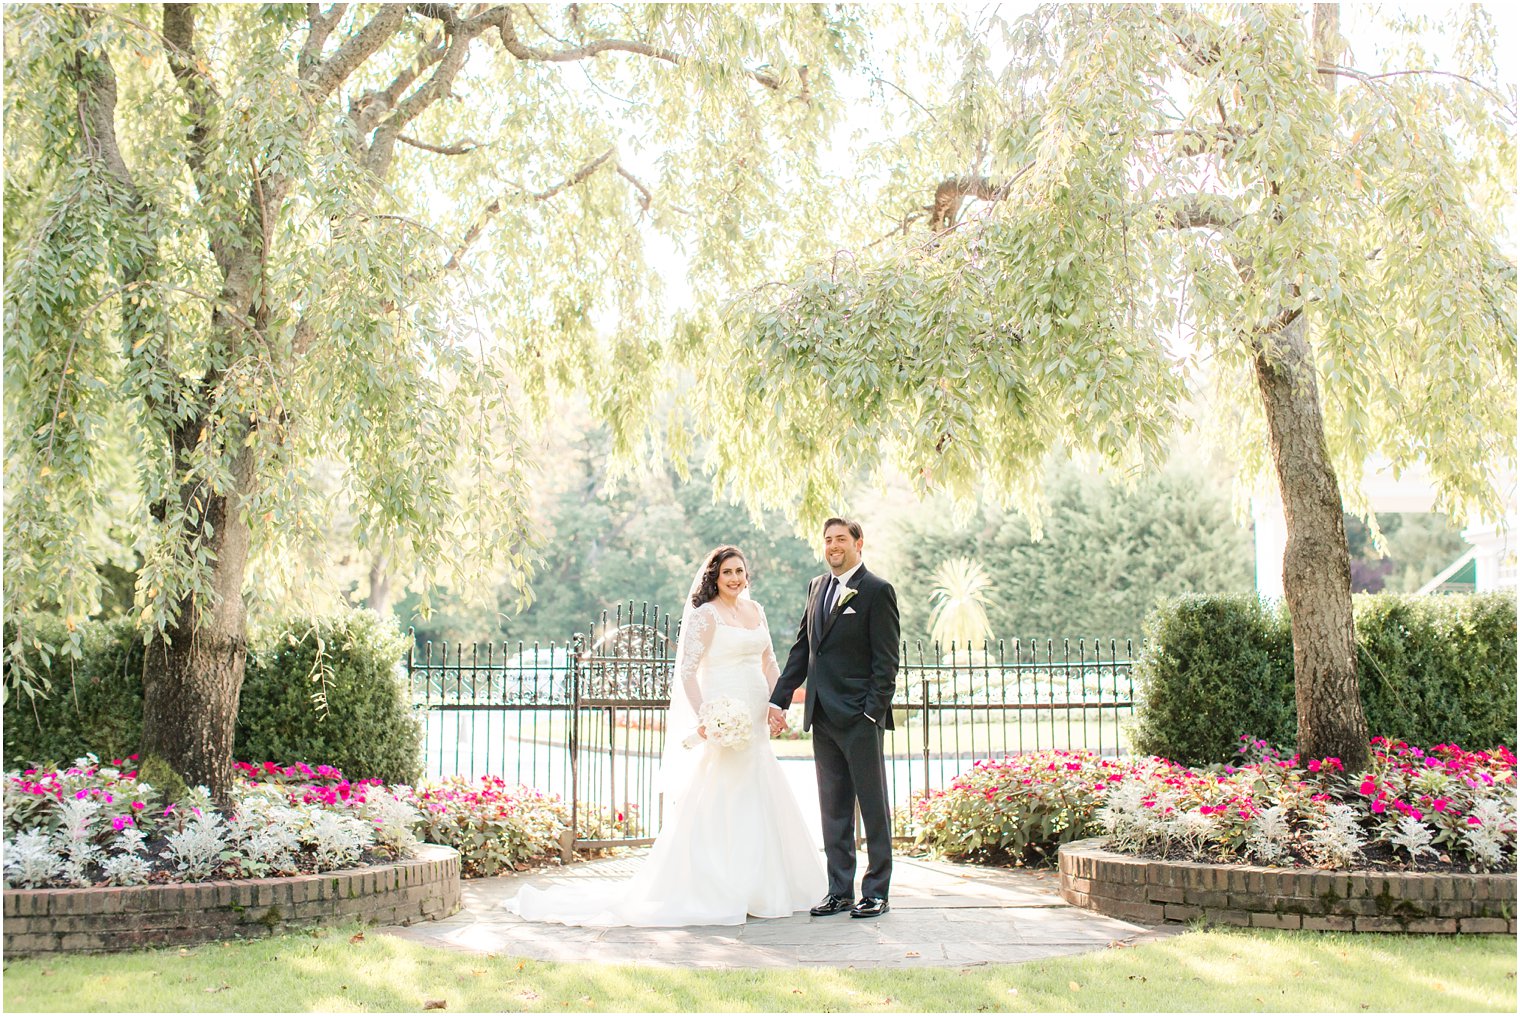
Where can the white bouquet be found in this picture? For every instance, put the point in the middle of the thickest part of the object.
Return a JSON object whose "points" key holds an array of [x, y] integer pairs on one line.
{"points": [[728, 723]]}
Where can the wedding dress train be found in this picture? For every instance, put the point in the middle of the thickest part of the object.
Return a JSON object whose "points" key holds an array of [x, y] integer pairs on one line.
{"points": [[734, 842]]}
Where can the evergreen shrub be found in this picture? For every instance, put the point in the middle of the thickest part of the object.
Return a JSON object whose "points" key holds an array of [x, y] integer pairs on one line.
{"points": [[95, 703], [349, 660], [1432, 670]]}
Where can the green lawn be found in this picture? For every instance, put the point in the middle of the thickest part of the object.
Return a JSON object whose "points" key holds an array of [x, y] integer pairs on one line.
{"points": [[1214, 970]]}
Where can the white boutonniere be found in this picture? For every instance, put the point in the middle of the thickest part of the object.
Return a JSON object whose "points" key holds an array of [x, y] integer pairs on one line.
{"points": [[845, 597]]}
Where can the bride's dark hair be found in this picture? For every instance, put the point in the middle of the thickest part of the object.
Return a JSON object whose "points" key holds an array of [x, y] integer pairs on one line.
{"points": [[707, 587]]}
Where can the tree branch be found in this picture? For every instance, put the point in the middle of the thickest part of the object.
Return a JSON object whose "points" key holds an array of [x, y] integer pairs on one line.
{"points": [[383, 145], [645, 197], [368, 110], [579, 176], [1196, 56], [464, 147], [94, 80], [898, 89], [501, 19], [1367, 79], [325, 77], [321, 27], [179, 50], [1198, 211]]}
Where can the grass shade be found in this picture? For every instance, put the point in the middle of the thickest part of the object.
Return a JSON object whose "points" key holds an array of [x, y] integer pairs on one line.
{"points": [[355, 969]]}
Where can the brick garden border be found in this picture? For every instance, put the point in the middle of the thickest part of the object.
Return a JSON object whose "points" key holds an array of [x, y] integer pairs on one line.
{"points": [[40, 921], [1153, 892]]}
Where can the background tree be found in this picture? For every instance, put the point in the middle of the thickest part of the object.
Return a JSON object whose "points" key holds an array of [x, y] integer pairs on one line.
{"points": [[611, 539], [250, 236], [1171, 195], [1107, 555]]}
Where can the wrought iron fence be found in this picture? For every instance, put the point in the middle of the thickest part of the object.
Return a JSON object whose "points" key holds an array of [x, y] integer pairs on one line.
{"points": [[585, 718]]}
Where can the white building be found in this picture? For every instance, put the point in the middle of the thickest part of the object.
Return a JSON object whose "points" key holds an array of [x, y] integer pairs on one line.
{"points": [[1492, 554]]}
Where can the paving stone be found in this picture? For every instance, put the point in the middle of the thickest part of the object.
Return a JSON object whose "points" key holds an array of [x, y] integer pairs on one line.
{"points": [[942, 915]]}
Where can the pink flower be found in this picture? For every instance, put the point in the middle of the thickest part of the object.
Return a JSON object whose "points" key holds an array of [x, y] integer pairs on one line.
{"points": [[1368, 786], [1379, 807], [138, 806], [120, 822]]}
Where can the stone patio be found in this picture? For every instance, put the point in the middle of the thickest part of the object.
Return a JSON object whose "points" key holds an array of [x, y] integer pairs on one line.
{"points": [[942, 915]]}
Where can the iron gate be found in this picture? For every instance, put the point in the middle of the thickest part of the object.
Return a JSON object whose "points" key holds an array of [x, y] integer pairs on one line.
{"points": [[585, 719]]}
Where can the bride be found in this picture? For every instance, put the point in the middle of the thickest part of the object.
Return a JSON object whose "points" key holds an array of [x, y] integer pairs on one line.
{"points": [[733, 841]]}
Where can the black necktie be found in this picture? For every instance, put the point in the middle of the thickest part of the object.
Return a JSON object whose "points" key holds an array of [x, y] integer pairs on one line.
{"points": [[828, 596]]}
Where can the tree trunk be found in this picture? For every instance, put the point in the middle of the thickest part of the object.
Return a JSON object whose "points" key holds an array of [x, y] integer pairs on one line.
{"points": [[191, 686], [379, 599], [1316, 562]]}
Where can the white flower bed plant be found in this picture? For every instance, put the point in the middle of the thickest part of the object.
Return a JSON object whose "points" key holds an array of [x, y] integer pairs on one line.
{"points": [[100, 825]]}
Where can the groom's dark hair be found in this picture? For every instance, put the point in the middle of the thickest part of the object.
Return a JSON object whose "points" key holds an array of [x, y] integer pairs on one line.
{"points": [[856, 533]]}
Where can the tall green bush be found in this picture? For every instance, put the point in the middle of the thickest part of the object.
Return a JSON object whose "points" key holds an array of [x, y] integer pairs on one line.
{"points": [[367, 728], [1438, 669], [94, 703], [1213, 668], [1433, 669]]}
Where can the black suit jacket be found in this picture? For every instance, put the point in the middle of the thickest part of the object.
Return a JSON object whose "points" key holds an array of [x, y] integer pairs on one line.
{"points": [[849, 660]]}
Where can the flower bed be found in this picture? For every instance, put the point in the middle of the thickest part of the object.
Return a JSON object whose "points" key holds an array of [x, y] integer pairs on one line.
{"points": [[100, 824], [420, 888], [93, 824], [97, 860], [1151, 891], [1445, 808]]}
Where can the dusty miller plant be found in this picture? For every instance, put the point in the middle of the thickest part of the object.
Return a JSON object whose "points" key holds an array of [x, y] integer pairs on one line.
{"points": [[199, 848], [128, 863], [1337, 837], [31, 859]]}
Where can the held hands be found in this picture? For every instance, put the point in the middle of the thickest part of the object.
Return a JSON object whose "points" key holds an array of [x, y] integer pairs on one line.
{"points": [[777, 720]]}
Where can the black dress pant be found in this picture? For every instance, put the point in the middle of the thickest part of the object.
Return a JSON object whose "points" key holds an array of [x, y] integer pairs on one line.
{"points": [[851, 766]]}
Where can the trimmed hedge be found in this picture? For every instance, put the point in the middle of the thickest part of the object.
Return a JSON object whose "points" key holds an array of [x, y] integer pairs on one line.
{"points": [[368, 732], [1433, 669], [93, 703]]}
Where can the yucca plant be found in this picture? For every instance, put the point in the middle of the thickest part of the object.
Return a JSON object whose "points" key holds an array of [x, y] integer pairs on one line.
{"points": [[959, 604]]}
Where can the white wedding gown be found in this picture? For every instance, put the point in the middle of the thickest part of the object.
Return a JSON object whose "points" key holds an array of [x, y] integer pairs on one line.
{"points": [[734, 843]]}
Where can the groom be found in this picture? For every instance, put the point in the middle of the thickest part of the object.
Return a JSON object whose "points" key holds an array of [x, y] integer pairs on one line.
{"points": [[846, 650]]}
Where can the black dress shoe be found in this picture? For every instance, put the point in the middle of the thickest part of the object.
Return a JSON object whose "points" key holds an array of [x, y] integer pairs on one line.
{"points": [[870, 906], [831, 904]]}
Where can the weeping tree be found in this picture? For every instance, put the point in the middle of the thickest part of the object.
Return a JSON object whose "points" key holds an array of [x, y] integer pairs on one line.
{"points": [[1109, 210], [245, 243]]}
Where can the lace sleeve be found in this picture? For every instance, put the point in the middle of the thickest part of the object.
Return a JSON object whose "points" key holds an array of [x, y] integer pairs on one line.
{"points": [[768, 664], [696, 637]]}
